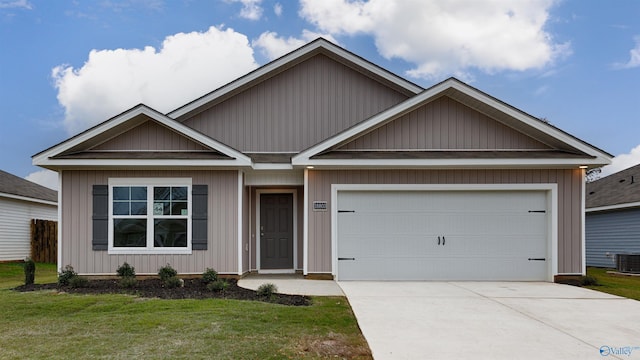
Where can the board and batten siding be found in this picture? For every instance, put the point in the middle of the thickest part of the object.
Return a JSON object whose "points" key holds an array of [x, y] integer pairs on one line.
{"points": [[15, 226], [150, 136], [444, 124], [610, 233], [569, 183], [296, 109], [77, 202]]}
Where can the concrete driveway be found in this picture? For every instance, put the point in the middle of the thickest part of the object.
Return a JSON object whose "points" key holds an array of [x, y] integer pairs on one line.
{"points": [[493, 320]]}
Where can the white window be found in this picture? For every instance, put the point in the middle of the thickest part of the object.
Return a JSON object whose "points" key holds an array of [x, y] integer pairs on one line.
{"points": [[150, 216]]}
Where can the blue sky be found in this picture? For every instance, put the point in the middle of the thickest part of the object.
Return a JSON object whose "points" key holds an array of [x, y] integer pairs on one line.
{"points": [[67, 65]]}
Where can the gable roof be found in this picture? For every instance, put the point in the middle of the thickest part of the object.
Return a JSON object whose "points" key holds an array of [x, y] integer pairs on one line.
{"points": [[587, 154], [76, 151], [318, 46], [616, 191], [15, 187]]}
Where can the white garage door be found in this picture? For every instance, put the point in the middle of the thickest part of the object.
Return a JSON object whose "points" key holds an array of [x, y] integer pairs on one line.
{"points": [[442, 235]]}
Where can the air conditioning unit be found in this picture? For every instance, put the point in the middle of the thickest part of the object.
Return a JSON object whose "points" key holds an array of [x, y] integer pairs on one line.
{"points": [[628, 263]]}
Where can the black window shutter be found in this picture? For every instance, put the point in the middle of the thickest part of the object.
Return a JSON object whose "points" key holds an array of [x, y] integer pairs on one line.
{"points": [[199, 201], [100, 217]]}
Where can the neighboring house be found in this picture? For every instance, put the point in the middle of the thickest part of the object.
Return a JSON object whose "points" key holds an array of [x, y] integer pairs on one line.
{"points": [[613, 217], [20, 202], [324, 163]]}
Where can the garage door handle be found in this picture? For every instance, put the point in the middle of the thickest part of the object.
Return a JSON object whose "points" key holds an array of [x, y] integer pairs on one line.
{"points": [[438, 240], [443, 240], [537, 259], [346, 258]]}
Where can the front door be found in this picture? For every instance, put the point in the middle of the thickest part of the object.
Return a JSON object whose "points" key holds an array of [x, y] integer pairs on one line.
{"points": [[276, 231]]}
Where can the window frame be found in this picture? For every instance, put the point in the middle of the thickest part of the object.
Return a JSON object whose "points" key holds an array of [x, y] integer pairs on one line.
{"points": [[150, 183]]}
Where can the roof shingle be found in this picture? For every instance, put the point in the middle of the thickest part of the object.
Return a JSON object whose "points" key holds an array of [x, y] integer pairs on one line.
{"points": [[14, 185]]}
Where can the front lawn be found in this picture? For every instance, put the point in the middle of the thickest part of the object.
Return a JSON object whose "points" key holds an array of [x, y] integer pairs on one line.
{"points": [[621, 285], [48, 324]]}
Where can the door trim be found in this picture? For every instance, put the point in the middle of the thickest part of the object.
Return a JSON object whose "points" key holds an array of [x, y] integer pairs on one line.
{"points": [[259, 192], [551, 190]]}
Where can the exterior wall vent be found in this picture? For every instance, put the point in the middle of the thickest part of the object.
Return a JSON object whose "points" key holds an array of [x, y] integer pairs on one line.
{"points": [[628, 263]]}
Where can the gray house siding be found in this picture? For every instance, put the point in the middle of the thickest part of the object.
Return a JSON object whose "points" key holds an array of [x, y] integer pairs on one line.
{"points": [[610, 233], [296, 109], [445, 124], [222, 250], [569, 208], [149, 136]]}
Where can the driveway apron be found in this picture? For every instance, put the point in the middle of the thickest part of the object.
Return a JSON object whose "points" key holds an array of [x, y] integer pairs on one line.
{"points": [[493, 320]]}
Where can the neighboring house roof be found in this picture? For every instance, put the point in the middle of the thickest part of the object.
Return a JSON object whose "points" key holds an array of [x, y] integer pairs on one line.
{"points": [[616, 191], [18, 188]]}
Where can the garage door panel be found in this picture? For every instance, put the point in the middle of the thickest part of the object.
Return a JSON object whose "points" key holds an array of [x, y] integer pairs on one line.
{"points": [[442, 235]]}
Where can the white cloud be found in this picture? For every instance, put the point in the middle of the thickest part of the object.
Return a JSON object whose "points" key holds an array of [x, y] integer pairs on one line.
{"points": [[251, 9], [12, 4], [46, 178], [634, 57], [187, 65], [622, 161], [277, 9], [272, 46], [444, 37]]}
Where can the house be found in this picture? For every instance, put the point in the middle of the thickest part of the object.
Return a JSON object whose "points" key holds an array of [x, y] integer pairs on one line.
{"points": [[21, 201], [613, 217], [323, 163]]}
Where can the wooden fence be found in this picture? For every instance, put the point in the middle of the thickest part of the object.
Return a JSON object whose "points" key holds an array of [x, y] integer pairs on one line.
{"points": [[44, 241]]}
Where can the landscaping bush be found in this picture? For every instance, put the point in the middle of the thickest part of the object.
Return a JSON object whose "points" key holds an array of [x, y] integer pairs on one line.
{"points": [[66, 275], [128, 282], [29, 271], [589, 280], [218, 285], [267, 290], [78, 281], [173, 282], [167, 272], [209, 276], [126, 270]]}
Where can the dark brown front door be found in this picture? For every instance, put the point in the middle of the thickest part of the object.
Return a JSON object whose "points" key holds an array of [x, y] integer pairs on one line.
{"points": [[276, 231]]}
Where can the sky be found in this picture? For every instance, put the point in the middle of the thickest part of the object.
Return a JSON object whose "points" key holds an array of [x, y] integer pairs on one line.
{"points": [[68, 65]]}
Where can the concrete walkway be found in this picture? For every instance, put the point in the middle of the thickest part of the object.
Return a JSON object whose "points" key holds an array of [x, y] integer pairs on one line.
{"points": [[493, 320], [293, 285]]}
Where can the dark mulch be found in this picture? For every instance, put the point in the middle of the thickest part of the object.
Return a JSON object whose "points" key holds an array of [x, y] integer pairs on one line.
{"points": [[154, 288]]}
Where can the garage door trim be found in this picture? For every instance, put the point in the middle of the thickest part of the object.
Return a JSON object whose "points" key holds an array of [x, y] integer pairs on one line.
{"points": [[552, 200]]}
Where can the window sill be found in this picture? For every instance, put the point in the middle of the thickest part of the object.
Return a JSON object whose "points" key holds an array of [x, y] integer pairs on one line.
{"points": [[133, 251]]}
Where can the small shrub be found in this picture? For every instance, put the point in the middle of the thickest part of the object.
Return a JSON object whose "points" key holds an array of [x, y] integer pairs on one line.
{"points": [[173, 282], [66, 275], [209, 276], [217, 285], [78, 281], [126, 270], [128, 282], [167, 272], [29, 271], [267, 290], [589, 280]]}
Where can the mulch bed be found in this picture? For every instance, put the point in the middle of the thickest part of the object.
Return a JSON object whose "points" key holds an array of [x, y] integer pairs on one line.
{"points": [[155, 288]]}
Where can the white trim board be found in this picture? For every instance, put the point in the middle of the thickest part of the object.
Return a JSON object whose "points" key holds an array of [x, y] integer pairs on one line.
{"points": [[552, 200], [614, 207]]}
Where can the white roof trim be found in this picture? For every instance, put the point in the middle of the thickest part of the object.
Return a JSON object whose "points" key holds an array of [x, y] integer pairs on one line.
{"points": [[29, 199], [614, 207], [448, 163], [45, 158], [304, 158], [288, 58]]}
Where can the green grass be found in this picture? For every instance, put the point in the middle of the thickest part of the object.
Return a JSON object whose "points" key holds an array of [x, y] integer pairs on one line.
{"points": [[50, 325], [621, 285]]}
